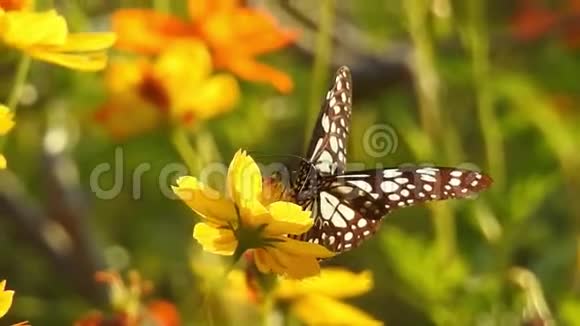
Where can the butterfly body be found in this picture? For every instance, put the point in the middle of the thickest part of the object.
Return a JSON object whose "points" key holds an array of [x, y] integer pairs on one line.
{"points": [[348, 207]]}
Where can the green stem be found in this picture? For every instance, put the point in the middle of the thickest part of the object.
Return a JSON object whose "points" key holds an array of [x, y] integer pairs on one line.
{"points": [[321, 63], [427, 88], [478, 44], [16, 92], [19, 81], [426, 78], [183, 146]]}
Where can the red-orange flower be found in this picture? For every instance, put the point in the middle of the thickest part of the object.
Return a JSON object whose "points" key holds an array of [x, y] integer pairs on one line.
{"points": [[9, 5], [534, 21], [234, 33]]}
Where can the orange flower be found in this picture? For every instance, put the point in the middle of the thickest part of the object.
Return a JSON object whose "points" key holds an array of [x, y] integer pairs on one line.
{"points": [[177, 87], [235, 35]]}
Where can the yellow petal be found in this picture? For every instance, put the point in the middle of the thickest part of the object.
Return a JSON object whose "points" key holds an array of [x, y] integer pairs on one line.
{"points": [[183, 65], [22, 29], [302, 248], [244, 181], [214, 96], [210, 204], [93, 61], [296, 266], [6, 120], [272, 259], [88, 42], [5, 299], [266, 262], [288, 218], [332, 282], [3, 162], [219, 241], [330, 312]]}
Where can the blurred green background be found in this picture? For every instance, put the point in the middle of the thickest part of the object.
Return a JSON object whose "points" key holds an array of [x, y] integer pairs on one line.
{"points": [[461, 83]]}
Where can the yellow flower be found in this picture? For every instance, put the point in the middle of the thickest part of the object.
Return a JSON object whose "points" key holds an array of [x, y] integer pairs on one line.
{"points": [[241, 221], [6, 123], [45, 36], [178, 87], [5, 299], [320, 294]]}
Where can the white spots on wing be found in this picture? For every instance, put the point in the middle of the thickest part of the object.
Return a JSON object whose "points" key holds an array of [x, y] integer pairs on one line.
{"points": [[427, 187], [332, 127], [328, 203], [340, 156], [366, 233], [428, 178], [332, 102], [333, 143], [325, 122], [347, 212], [338, 221], [456, 174], [361, 185], [428, 170], [342, 123], [347, 245], [343, 97], [434, 196], [338, 84], [389, 186], [348, 236], [331, 240], [392, 173], [421, 195], [340, 143], [478, 176], [411, 186], [329, 95], [325, 162], [361, 223], [454, 182], [464, 190], [318, 146], [474, 183], [394, 197], [410, 201], [336, 109], [401, 181], [405, 193]]}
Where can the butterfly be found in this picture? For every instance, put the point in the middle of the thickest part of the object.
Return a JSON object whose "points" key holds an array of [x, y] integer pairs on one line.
{"points": [[348, 207]]}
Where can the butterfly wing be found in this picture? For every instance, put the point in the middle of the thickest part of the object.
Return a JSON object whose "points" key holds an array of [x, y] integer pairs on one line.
{"points": [[351, 206], [327, 149]]}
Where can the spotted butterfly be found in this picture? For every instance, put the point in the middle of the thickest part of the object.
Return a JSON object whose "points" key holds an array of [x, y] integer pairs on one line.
{"points": [[348, 207]]}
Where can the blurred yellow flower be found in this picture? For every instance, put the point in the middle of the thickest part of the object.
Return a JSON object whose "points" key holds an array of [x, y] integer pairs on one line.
{"points": [[320, 294], [178, 87], [6, 123], [45, 36], [240, 221], [5, 299], [235, 34], [314, 300]]}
